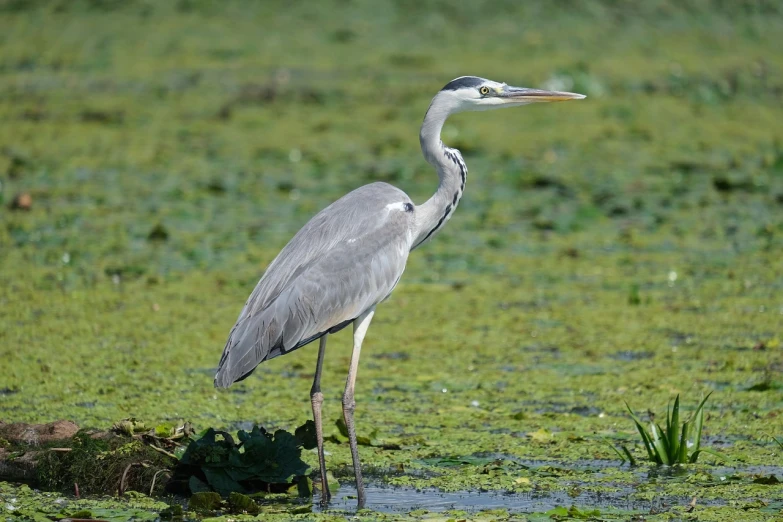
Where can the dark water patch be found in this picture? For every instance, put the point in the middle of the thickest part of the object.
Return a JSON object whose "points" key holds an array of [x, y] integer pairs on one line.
{"points": [[399, 356], [714, 476], [581, 410], [201, 371], [563, 467], [764, 386], [667, 472], [573, 369], [736, 347], [676, 337], [8, 391], [756, 470], [717, 385], [390, 499], [715, 440], [628, 355], [241, 425], [585, 411], [588, 465], [506, 431], [545, 348], [583, 465], [522, 305]]}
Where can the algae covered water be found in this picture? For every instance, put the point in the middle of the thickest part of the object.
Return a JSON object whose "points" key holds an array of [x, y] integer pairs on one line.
{"points": [[155, 157]]}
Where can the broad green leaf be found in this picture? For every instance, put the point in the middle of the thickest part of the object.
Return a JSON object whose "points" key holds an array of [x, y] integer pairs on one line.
{"points": [[259, 457], [221, 482]]}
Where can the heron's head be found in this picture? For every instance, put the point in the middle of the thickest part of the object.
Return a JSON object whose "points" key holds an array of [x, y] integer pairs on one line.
{"points": [[471, 93]]}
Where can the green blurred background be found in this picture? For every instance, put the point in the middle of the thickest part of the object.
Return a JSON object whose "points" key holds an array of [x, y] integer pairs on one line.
{"points": [[228, 124], [155, 156]]}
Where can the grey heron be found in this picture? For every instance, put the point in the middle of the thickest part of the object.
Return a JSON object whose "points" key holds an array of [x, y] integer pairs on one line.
{"points": [[349, 257]]}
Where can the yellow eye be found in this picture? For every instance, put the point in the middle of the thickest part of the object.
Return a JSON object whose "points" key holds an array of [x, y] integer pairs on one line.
{"points": [[484, 90]]}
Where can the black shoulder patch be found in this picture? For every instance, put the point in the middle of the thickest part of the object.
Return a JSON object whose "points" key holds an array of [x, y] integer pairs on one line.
{"points": [[464, 82]]}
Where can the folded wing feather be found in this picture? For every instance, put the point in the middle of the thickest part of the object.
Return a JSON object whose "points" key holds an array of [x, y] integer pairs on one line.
{"points": [[348, 258]]}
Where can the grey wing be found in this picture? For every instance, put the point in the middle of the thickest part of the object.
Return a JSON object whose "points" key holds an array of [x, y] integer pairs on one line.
{"points": [[347, 259]]}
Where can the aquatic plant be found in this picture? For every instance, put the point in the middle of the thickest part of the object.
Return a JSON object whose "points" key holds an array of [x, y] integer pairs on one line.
{"points": [[624, 453], [260, 461], [676, 444]]}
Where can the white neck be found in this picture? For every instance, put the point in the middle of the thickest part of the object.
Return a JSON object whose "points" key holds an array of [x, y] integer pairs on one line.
{"points": [[451, 169]]}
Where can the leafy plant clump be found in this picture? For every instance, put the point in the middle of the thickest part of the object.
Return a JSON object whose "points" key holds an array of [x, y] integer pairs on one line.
{"points": [[676, 444], [260, 461]]}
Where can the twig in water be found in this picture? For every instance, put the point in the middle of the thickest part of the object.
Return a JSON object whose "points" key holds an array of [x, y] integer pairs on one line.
{"points": [[124, 479], [121, 489], [161, 450], [155, 476]]}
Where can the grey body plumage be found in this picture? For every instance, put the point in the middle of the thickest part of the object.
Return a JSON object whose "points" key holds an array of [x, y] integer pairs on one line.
{"points": [[345, 260], [350, 256]]}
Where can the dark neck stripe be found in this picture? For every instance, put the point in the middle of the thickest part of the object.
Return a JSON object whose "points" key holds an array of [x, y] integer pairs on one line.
{"points": [[440, 222], [453, 155], [463, 169]]}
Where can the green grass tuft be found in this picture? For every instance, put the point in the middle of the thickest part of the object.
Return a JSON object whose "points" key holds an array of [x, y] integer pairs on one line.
{"points": [[676, 444]]}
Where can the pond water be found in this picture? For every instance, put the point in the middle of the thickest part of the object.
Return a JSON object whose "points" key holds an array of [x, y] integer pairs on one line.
{"points": [[388, 499]]}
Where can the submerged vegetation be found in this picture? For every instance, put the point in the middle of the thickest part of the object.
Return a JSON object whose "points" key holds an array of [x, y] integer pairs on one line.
{"points": [[155, 156]]}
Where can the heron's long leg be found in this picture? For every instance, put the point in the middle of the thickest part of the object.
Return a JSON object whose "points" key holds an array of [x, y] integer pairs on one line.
{"points": [[360, 326], [317, 399]]}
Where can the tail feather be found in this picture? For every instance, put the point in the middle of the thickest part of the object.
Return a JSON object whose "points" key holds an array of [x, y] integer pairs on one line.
{"points": [[245, 349], [256, 338]]}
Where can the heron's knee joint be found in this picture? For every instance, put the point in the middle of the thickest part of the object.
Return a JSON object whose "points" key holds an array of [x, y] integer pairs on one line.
{"points": [[349, 404], [317, 397]]}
